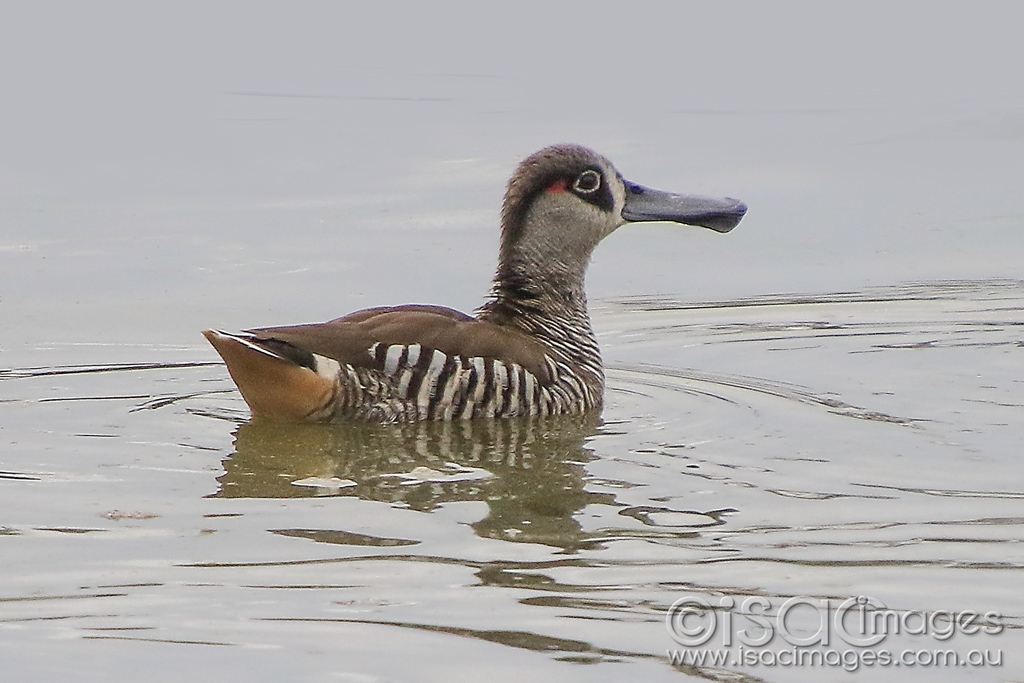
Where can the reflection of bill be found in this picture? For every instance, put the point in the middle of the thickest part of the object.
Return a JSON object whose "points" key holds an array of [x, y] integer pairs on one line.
{"points": [[528, 471]]}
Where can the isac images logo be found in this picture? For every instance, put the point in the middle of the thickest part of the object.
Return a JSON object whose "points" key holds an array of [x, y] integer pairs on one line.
{"points": [[803, 631]]}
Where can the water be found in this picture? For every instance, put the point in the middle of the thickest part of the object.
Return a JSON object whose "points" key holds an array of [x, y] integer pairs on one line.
{"points": [[824, 404]]}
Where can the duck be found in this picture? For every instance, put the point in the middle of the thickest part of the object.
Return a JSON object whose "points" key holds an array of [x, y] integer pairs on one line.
{"points": [[529, 350]]}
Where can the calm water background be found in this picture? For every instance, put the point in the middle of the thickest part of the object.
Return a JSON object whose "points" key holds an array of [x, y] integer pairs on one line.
{"points": [[827, 402]]}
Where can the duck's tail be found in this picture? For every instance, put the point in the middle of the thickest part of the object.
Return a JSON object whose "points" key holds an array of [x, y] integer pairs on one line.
{"points": [[274, 386]]}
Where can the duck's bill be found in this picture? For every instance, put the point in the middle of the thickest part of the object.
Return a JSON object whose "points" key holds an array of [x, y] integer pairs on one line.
{"points": [[645, 204]]}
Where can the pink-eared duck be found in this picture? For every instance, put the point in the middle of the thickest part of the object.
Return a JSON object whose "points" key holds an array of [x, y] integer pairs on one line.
{"points": [[529, 350]]}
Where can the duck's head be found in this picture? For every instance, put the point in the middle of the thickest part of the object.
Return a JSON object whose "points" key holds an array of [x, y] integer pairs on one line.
{"points": [[562, 200]]}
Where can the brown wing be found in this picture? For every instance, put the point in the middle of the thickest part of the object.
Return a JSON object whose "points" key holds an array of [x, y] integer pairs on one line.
{"points": [[349, 339]]}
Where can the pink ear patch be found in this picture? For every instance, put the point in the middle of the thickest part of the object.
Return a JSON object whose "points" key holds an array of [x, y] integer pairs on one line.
{"points": [[560, 185]]}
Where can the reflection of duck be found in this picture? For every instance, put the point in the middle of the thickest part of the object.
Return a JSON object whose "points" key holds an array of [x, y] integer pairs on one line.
{"points": [[529, 472], [529, 350]]}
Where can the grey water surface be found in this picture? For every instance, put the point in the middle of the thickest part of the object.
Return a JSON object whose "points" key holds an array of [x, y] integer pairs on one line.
{"points": [[826, 404]]}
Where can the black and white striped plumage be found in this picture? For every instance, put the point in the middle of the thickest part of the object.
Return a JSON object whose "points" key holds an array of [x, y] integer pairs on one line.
{"points": [[529, 350]]}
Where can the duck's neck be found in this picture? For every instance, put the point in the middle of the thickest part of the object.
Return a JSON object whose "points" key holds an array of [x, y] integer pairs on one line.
{"points": [[546, 299]]}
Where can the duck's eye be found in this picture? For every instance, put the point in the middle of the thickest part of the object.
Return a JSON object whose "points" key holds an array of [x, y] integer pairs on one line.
{"points": [[587, 182]]}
